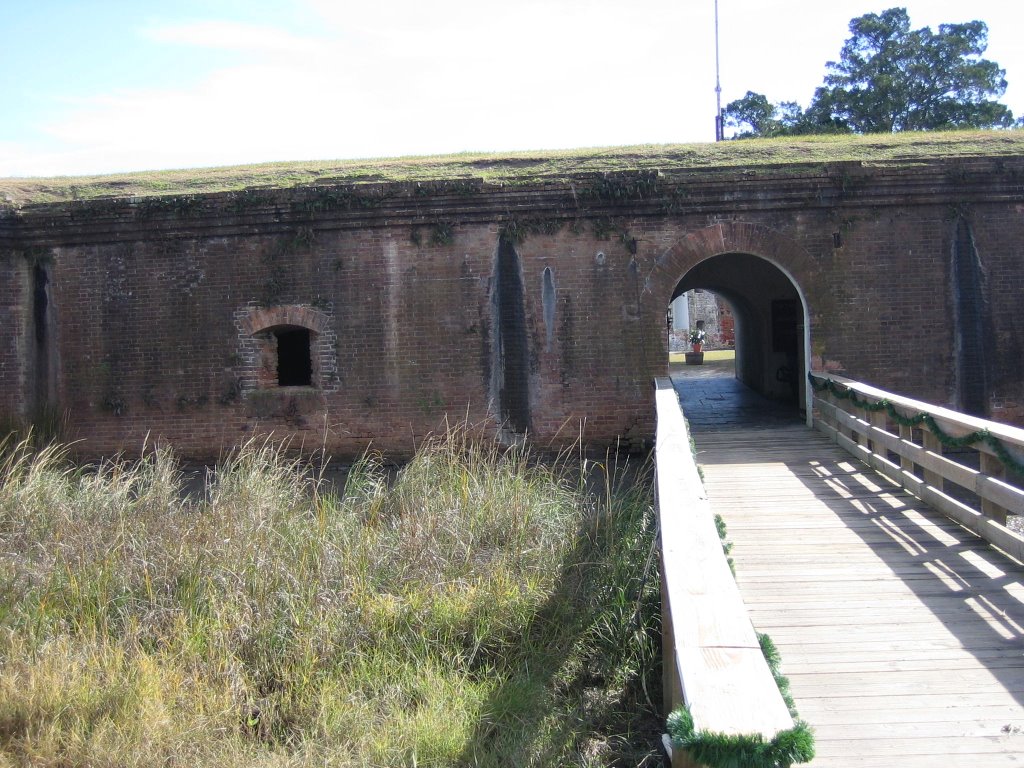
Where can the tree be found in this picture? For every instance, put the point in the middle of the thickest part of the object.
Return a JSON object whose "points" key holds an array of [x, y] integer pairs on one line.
{"points": [[892, 78], [754, 115]]}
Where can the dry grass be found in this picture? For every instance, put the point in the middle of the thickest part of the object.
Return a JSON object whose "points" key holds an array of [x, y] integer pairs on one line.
{"points": [[523, 167], [479, 609]]}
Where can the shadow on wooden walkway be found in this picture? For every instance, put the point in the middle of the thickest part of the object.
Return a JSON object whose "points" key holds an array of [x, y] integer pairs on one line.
{"points": [[901, 632]]}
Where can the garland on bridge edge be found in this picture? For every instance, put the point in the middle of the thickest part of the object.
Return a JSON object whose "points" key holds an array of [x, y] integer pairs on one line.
{"points": [[719, 750], [978, 436]]}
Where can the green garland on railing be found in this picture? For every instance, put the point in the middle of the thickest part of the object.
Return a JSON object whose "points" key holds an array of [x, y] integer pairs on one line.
{"points": [[719, 750], [979, 436], [771, 655]]}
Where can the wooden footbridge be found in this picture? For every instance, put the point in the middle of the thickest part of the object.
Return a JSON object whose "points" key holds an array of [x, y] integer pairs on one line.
{"points": [[895, 597]]}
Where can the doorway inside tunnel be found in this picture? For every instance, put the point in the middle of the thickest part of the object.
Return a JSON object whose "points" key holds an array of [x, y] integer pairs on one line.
{"points": [[749, 307], [706, 319]]}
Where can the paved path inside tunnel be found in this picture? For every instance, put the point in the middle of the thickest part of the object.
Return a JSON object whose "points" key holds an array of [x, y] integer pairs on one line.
{"points": [[712, 398]]}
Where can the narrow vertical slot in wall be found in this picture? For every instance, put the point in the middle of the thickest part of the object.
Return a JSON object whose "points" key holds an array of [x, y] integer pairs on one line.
{"points": [[970, 323], [41, 337], [511, 362], [548, 302]]}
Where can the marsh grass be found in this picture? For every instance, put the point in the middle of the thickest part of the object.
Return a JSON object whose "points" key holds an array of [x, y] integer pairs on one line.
{"points": [[480, 607]]}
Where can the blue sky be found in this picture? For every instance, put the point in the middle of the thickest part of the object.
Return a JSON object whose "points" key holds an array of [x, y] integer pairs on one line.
{"points": [[105, 86]]}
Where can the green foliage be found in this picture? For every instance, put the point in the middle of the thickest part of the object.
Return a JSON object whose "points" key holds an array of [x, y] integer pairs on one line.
{"points": [[477, 606], [245, 200], [516, 231], [442, 233], [603, 228], [774, 659], [613, 188], [324, 199], [819, 384], [719, 750], [754, 115], [723, 535], [891, 78], [180, 206]]}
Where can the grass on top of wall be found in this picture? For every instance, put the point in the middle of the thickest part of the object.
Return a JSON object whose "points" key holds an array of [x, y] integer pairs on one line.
{"points": [[523, 167], [481, 608]]}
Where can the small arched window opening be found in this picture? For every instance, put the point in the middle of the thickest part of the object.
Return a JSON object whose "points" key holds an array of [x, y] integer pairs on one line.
{"points": [[294, 361]]}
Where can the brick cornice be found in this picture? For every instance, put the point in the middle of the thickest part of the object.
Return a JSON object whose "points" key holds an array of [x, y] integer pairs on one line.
{"points": [[724, 191]]}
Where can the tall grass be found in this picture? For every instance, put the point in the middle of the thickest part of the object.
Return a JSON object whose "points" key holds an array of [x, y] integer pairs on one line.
{"points": [[477, 608]]}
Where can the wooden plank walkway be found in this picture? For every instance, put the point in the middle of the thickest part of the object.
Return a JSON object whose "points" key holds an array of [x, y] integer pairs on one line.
{"points": [[902, 634]]}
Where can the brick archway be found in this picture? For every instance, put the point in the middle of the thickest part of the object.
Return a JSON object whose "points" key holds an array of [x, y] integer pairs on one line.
{"points": [[758, 270], [261, 318], [727, 237], [258, 332]]}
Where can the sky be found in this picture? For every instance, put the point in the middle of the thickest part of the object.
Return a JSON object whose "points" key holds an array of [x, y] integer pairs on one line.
{"points": [[108, 86]]}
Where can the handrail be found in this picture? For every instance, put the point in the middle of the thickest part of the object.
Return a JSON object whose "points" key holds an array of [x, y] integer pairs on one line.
{"points": [[904, 439], [713, 661]]}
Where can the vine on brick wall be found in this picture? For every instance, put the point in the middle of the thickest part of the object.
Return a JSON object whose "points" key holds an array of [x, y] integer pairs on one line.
{"points": [[181, 206], [643, 186], [517, 230], [440, 233], [324, 199]]}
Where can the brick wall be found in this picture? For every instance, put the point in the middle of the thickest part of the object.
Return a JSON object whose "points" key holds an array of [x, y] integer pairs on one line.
{"points": [[163, 317]]}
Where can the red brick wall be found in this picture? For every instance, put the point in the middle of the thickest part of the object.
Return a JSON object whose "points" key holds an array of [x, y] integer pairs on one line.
{"points": [[15, 376], [154, 308], [159, 344]]}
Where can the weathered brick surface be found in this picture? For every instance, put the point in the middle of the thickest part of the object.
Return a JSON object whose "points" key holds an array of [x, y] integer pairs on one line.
{"points": [[161, 311], [14, 283]]}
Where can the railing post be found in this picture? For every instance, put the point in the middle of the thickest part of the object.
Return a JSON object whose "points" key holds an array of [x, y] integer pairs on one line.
{"points": [[993, 467], [822, 413], [907, 433], [833, 420], [879, 419], [862, 414], [933, 444]]}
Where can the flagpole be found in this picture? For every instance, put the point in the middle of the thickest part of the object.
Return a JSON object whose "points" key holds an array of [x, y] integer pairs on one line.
{"points": [[719, 129]]}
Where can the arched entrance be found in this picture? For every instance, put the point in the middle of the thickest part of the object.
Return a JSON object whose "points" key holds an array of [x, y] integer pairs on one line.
{"points": [[768, 315], [766, 280]]}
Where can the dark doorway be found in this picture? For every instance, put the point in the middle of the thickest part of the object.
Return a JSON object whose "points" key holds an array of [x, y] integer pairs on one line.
{"points": [[294, 363], [787, 323]]}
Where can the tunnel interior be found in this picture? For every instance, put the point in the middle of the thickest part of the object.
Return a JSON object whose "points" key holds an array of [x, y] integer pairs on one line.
{"points": [[768, 313]]}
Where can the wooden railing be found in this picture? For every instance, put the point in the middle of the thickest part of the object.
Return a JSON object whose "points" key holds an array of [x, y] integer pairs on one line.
{"points": [[967, 484], [712, 659]]}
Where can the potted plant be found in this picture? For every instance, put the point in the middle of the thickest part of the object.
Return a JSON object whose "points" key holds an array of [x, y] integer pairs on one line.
{"points": [[697, 337]]}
